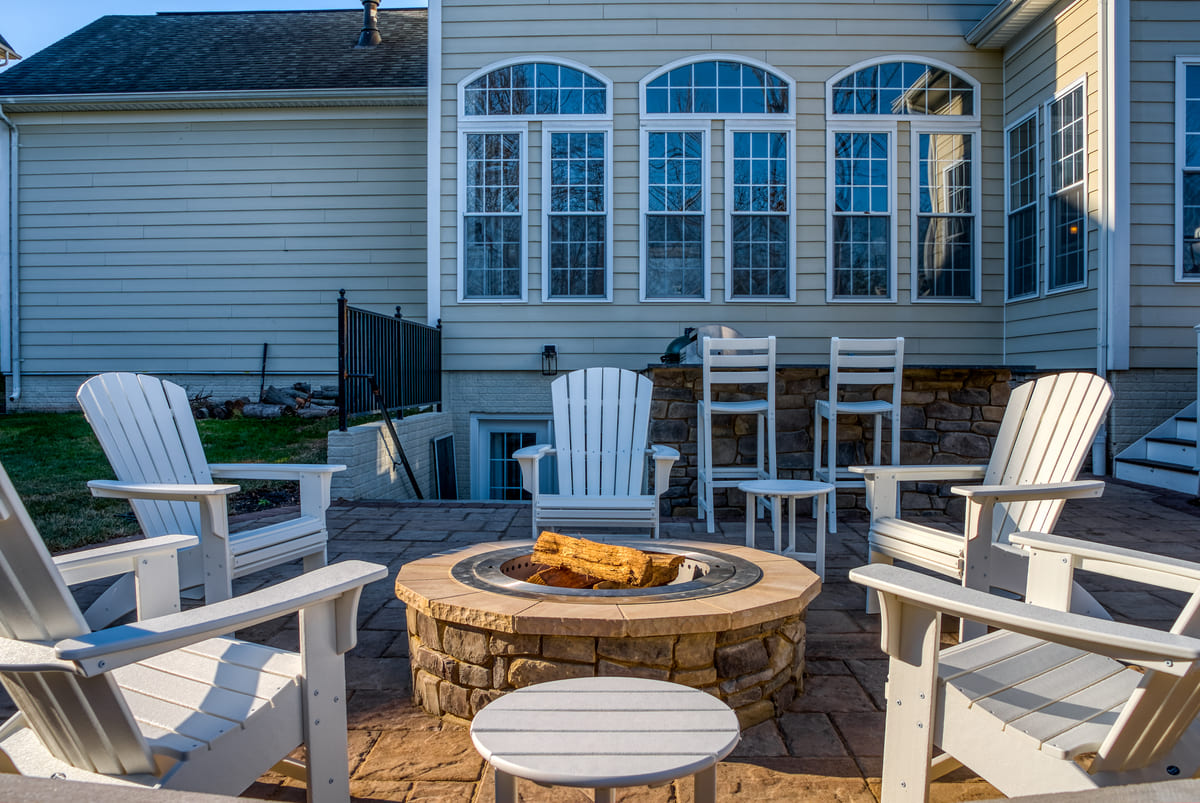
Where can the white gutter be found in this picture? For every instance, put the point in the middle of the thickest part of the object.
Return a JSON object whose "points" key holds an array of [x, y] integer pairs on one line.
{"points": [[433, 167], [256, 98], [10, 283]]}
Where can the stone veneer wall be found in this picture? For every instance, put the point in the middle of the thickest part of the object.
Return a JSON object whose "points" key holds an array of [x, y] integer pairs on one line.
{"points": [[457, 670], [949, 415]]}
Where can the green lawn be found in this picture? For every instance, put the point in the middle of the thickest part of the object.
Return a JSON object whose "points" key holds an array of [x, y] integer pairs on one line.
{"points": [[51, 456]]}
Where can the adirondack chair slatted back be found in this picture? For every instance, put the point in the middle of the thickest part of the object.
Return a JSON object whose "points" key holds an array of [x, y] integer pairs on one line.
{"points": [[1045, 435], [148, 434], [739, 361], [1159, 712], [601, 418], [866, 361], [82, 721]]}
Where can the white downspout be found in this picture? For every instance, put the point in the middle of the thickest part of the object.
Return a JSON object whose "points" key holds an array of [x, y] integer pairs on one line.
{"points": [[433, 168], [10, 297]]}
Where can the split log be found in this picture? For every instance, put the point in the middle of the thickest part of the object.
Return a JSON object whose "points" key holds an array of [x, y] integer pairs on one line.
{"points": [[561, 578], [664, 568], [621, 564]]}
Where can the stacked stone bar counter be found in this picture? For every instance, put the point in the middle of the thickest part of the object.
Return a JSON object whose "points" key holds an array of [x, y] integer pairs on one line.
{"points": [[744, 646]]}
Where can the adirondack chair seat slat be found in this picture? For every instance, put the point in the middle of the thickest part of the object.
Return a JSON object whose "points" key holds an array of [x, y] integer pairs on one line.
{"points": [[274, 544], [1049, 701], [920, 544]]}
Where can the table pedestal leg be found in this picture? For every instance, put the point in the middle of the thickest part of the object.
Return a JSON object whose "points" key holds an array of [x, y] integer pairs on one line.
{"points": [[750, 502], [605, 796], [706, 785], [506, 787], [821, 503]]}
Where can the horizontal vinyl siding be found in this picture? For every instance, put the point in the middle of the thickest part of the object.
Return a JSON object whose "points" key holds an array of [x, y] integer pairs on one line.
{"points": [[807, 41], [174, 243], [1162, 311], [1058, 330]]}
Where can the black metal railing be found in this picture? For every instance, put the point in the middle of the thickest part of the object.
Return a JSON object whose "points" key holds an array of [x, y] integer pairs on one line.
{"points": [[403, 357]]}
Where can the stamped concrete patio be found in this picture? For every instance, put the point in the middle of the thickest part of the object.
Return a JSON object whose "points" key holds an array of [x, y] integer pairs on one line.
{"points": [[826, 748]]}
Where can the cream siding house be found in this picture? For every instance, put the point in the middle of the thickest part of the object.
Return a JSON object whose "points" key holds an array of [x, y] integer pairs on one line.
{"points": [[1003, 184]]}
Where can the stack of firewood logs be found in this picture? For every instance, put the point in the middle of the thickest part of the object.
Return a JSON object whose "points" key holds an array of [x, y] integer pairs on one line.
{"points": [[579, 563]]}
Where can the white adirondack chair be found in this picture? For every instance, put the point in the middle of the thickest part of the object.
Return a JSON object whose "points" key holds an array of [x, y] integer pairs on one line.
{"points": [[1049, 702], [149, 436], [1045, 434], [601, 421], [165, 702]]}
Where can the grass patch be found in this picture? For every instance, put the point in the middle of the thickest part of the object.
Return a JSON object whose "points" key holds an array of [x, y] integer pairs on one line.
{"points": [[51, 456]]}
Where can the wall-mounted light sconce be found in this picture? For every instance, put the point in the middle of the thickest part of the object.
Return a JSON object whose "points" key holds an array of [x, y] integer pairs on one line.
{"points": [[549, 360]]}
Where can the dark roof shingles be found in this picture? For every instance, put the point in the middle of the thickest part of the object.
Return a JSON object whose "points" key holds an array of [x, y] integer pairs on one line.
{"points": [[214, 52]]}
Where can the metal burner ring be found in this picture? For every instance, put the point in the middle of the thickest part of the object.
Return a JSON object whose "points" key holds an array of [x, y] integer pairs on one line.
{"points": [[725, 573]]}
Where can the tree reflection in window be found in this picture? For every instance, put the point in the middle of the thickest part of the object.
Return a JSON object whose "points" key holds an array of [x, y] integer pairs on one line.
{"points": [[534, 88], [717, 88], [903, 88]]}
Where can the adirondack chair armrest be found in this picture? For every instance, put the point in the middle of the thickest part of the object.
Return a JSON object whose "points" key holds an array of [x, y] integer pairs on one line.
{"points": [[1068, 554], [527, 458], [340, 583], [664, 458], [272, 471], [883, 483], [109, 561], [1079, 489], [168, 492], [30, 656], [942, 472], [898, 587]]}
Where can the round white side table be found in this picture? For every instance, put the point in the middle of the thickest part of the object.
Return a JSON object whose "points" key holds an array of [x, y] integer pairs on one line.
{"points": [[791, 490], [604, 733]]}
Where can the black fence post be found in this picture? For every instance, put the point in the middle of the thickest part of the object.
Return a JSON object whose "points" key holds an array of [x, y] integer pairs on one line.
{"points": [[343, 350]]}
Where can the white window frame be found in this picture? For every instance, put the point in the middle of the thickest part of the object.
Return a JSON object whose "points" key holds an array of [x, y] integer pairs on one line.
{"points": [[1037, 203], [740, 127], [1048, 179], [570, 125], [766, 121], [925, 125], [534, 59], [1181, 65], [504, 123], [830, 116], [666, 124], [762, 65], [853, 125], [481, 425], [493, 128]]}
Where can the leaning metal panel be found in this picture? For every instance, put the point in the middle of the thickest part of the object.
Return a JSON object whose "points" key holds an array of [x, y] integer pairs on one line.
{"points": [[725, 573]]}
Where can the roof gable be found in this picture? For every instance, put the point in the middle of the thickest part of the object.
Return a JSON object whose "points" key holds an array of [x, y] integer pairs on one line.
{"points": [[233, 52]]}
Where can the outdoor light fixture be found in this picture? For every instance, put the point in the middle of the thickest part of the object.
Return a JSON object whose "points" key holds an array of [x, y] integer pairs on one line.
{"points": [[549, 360]]}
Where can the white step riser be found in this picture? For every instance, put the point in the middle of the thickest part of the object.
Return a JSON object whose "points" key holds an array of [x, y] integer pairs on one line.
{"points": [[1171, 453], [1156, 477], [1185, 430]]}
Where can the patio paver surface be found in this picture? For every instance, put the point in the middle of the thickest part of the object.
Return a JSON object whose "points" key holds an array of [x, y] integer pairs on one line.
{"points": [[826, 748]]}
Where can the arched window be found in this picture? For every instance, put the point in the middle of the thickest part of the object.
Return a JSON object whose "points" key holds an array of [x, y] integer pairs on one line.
{"points": [[755, 103], [572, 108], [867, 105], [717, 88], [535, 89], [903, 88]]}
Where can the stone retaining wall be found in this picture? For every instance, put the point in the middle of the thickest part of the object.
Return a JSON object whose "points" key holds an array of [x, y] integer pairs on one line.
{"points": [[950, 415], [457, 670]]}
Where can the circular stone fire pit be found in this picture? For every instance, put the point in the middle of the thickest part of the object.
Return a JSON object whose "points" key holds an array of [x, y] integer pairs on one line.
{"points": [[732, 623]]}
